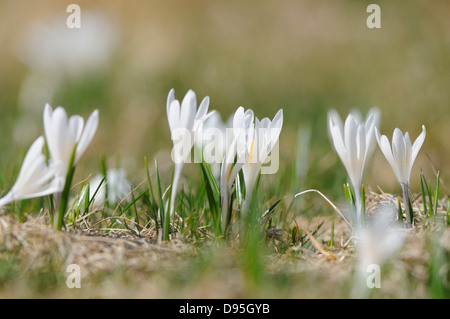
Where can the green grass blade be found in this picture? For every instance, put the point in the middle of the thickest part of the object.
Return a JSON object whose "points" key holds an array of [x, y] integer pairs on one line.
{"points": [[399, 211], [163, 216], [64, 200], [104, 171], [79, 201], [422, 192], [430, 198], [91, 199], [149, 183], [436, 194], [213, 195]]}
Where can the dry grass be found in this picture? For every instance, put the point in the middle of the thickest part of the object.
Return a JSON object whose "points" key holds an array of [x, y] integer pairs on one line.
{"points": [[122, 264]]}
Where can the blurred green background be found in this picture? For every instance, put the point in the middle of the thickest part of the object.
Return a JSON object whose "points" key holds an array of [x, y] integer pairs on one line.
{"points": [[303, 56]]}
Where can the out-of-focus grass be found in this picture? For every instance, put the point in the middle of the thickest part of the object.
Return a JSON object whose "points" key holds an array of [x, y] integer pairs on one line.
{"points": [[302, 56]]}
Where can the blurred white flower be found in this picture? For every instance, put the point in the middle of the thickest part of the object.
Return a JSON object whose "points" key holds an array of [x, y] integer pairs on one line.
{"points": [[184, 122], [51, 48], [354, 143], [63, 134], [376, 243], [259, 143], [116, 183], [35, 178], [402, 155], [54, 55]]}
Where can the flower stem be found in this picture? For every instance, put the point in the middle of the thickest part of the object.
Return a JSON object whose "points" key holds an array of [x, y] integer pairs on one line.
{"points": [[173, 192], [406, 202], [359, 208], [63, 198]]}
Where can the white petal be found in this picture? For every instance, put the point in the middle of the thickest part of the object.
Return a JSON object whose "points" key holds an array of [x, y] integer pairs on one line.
{"points": [[399, 152], [203, 109], [361, 143], [59, 145], [339, 145], [373, 116], [188, 110], [29, 163], [170, 98], [75, 127], [334, 120], [408, 147], [418, 144], [277, 121], [249, 118], [174, 115], [385, 147], [350, 136], [238, 121], [264, 123], [275, 128], [88, 134], [356, 115], [370, 126]]}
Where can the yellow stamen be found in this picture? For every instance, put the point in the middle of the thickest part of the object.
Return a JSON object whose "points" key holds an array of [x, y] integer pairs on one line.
{"points": [[229, 175], [251, 151]]}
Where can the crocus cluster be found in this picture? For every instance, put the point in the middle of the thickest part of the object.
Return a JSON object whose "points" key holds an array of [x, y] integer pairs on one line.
{"points": [[66, 139], [243, 147], [239, 147], [354, 143]]}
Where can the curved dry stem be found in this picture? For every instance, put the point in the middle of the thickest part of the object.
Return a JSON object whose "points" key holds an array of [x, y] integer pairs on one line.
{"points": [[328, 201]]}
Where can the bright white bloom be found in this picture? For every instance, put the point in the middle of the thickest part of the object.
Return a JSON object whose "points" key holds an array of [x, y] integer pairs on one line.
{"points": [[259, 143], [62, 134], [354, 142], [35, 178], [117, 184], [184, 122], [402, 155], [242, 122]]}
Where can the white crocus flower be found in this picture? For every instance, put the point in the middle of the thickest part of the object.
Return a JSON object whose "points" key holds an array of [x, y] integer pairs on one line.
{"points": [[117, 184], [63, 134], [260, 142], [213, 139], [184, 122], [242, 122], [401, 158], [354, 143], [35, 178], [402, 155]]}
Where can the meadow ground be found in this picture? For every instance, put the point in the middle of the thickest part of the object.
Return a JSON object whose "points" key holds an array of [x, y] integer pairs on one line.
{"points": [[131, 262]]}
